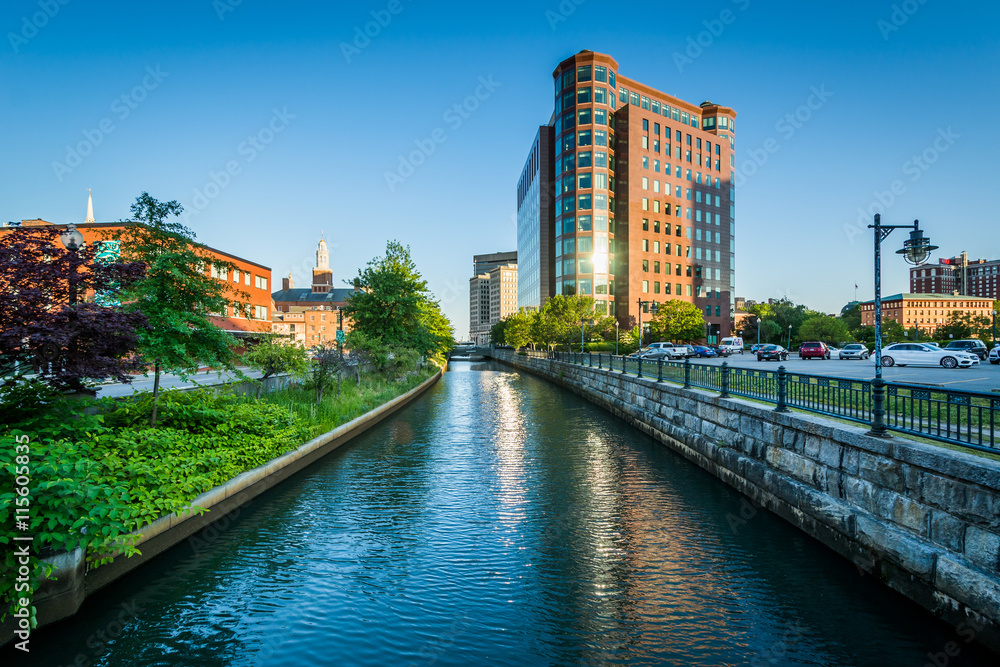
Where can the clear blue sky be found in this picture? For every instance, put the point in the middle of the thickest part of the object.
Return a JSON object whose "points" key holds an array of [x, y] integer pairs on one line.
{"points": [[197, 86]]}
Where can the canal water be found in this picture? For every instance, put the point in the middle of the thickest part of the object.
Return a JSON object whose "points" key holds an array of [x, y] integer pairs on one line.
{"points": [[499, 520]]}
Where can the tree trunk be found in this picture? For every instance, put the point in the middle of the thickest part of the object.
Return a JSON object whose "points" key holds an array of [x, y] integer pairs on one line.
{"points": [[156, 393]]}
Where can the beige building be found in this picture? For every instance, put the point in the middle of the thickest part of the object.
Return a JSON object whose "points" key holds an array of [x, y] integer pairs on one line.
{"points": [[492, 293], [926, 311]]}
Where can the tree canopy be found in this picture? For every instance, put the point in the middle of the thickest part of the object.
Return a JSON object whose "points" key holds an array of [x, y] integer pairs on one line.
{"points": [[830, 330], [677, 320], [394, 306]]}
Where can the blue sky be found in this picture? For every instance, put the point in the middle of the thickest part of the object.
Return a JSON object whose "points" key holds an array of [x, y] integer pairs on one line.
{"points": [[271, 123]]}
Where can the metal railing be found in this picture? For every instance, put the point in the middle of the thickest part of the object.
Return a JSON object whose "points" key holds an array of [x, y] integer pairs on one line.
{"points": [[968, 419]]}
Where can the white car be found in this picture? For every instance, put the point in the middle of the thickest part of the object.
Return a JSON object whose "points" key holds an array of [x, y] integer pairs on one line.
{"points": [[919, 354], [854, 351], [995, 355]]}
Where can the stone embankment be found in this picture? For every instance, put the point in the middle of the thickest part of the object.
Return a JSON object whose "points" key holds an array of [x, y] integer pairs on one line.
{"points": [[923, 519]]}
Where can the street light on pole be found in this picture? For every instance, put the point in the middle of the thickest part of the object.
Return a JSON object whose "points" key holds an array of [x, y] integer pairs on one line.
{"points": [[915, 251], [758, 332], [616, 337], [994, 327], [72, 240], [789, 337]]}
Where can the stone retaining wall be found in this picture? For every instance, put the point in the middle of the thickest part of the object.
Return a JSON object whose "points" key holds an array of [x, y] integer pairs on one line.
{"points": [[923, 519]]}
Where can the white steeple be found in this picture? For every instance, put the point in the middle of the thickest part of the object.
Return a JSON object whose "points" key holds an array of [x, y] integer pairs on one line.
{"points": [[322, 256], [90, 207]]}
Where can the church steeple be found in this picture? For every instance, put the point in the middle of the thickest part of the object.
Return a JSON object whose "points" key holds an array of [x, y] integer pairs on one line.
{"points": [[90, 207]]}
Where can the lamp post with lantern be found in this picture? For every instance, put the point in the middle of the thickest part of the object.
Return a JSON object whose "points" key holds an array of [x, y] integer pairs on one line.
{"points": [[916, 250]]}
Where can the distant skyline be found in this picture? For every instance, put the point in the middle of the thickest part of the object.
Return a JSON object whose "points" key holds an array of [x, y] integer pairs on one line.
{"points": [[272, 123]]}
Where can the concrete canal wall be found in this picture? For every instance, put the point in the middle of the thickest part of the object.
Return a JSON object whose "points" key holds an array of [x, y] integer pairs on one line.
{"points": [[922, 519], [61, 596]]}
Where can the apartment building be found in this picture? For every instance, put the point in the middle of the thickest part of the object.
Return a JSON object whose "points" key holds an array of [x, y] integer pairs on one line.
{"points": [[975, 277], [925, 311]]}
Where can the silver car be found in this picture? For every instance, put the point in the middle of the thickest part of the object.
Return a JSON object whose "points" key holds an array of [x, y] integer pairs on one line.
{"points": [[854, 351], [995, 355]]}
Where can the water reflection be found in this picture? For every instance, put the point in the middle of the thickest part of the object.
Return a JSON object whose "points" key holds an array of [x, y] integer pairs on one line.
{"points": [[500, 520]]}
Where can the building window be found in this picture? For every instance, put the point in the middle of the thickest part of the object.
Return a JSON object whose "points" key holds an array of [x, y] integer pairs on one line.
{"points": [[260, 282], [645, 287]]}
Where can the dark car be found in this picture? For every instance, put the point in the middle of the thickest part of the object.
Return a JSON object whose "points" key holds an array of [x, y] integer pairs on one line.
{"points": [[972, 345], [702, 351], [720, 350], [769, 352], [813, 349]]}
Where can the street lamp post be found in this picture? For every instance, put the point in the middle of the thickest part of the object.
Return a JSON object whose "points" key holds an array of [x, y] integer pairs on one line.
{"points": [[789, 338], [758, 332], [72, 240], [640, 304], [616, 337], [994, 328], [915, 251]]}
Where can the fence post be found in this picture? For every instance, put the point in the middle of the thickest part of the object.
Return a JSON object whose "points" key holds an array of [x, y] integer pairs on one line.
{"points": [[687, 373], [659, 370], [600, 357], [878, 409], [725, 380], [782, 390], [590, 359], [640, 366], [623, 363]]}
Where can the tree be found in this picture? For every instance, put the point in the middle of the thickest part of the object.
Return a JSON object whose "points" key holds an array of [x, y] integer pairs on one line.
{"points": [[328, 364], [852, 316], [393, 305], [965, 325], [497, 336], [272, 357], [678, 320], [830, 330], [517, 329], [560, 319], [177, 296], [67, 340]]}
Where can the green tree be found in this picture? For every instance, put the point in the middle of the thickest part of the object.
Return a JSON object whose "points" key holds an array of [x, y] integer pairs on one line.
{"points": [[677, 320], [393, 305], [271, 357], [965, 325], [517, 329], [560, 319], [177, 295], [497, 336], [830, 330], [852, 317], [327, 368]]}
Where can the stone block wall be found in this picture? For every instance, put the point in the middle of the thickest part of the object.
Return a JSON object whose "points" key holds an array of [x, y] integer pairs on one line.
{"points": [[923, 519]]}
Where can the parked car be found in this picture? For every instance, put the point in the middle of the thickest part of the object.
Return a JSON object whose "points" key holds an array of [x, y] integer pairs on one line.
{"points": [[671, 351], [814, 349], [995, 355], [854, 351], [919, 354], [731, 345], [664, 351], [721, 351], [755, 347], [973, 345], [769, 352], [702, 351]]}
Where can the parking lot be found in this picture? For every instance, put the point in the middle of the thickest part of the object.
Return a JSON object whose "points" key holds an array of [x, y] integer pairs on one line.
{"points": [[985, 377]]}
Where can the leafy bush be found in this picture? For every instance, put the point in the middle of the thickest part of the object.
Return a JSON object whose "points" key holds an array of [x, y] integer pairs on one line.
{"points": [[96, 478]]}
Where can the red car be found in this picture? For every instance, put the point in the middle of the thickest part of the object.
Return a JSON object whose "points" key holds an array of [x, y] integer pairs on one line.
{"points": [[814, 349]]}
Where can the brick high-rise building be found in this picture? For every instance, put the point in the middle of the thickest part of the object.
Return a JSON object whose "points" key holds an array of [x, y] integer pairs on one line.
{"points": [[974, 277], [644, 197]]}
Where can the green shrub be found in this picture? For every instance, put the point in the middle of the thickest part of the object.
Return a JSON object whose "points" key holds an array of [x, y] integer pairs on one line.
{"points": [[95, 478]]}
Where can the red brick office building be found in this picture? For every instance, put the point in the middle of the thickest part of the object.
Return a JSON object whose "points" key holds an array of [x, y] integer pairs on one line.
{"points": [[643, 197], [249, 277]]}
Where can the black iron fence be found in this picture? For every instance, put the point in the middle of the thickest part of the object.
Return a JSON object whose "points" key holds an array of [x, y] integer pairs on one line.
{"points": [[968, 419]]}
